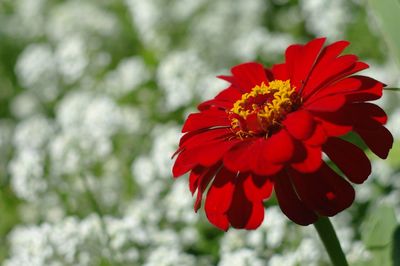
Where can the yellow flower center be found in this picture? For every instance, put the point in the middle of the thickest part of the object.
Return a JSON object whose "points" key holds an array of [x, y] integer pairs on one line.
{"points": [[261, 110]]}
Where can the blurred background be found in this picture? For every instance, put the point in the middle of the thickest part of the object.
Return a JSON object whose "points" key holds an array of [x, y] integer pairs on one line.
{"points": [[93, 94]]}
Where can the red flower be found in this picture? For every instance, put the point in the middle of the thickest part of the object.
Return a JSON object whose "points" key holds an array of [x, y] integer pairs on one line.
{"points": [[268, 130]]}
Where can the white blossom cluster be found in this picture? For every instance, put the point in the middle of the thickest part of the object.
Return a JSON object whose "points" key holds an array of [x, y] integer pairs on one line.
{"points": [[94, 105]]}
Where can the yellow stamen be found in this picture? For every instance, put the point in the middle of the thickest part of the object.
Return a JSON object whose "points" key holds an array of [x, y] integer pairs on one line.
{"points": [[269, 102]]}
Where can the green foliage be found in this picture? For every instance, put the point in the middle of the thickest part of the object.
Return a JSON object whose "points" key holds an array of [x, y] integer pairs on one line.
{"points": [[387, 14], [378, 232]]}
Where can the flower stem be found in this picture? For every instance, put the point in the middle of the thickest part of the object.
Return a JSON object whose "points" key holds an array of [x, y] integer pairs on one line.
{"points": [[392, 89], [332, 245]]}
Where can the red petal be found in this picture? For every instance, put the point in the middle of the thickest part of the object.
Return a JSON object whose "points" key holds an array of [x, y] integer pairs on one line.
{"points": [[312, 161], [204, 155], [300, 124], [238, 158], [258, 164], [280, 72], [229, 79], [330, 52], [263, 186], [290, 204], [349, 158], [206, 119], [219, 198], [303, 67], [367, 115], [204, 137], [249, 75], [279, 148], [208, 154], [355, 88], [333, 71], [230, 94], [213, 103], [326, 104], [370, 89], [194, 177], [256, 195], [203, 181], [379, 140], [318, 137], [293, 55], [323, 191], [244, 213], [335, 123], [181, 166]]}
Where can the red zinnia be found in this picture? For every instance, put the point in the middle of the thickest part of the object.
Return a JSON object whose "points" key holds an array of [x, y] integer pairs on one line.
{"points": [[269, 129]]}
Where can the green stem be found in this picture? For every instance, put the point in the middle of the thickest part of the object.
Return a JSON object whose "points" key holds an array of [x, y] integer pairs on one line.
{"points": [[332, 245], [392, 89]]}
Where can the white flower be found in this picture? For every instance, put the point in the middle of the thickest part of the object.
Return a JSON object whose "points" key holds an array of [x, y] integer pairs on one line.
{"points": [[289, 259], [334, 13], [27, 174], [129, 74], [36, 70], [143, 170], [33, 133], [275, 226], [71, 58], [77, 17], [309, 252], [178, 76], [260, 41], [146, 17], [169, 256], [164, 145], [24, 105], [179, 204], [241, 257], [393, 123]]}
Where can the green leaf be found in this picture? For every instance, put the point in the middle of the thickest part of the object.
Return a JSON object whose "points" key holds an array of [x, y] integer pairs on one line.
{"points": [[379, 227], [378, 235], [387, 15]]}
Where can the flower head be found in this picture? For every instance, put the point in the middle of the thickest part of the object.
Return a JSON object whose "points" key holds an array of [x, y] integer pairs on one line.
{"points": [[268, 130]]}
